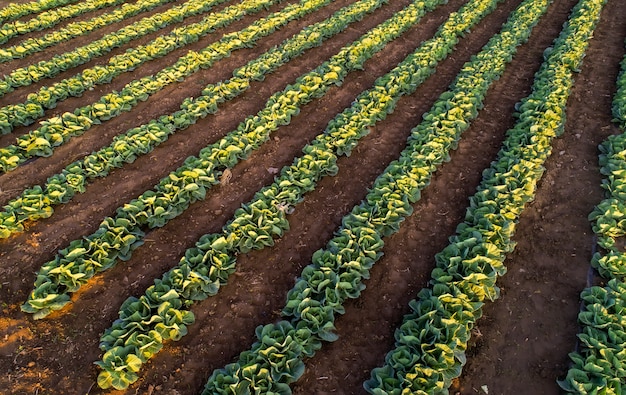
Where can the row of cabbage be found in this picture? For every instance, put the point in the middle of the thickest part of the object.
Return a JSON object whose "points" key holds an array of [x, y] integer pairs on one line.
{"points": [[38, 202], [599, 364], [174, 193], [338, 271], [30, 74], [57, 130], [163, 312], [13, 11], [51, 18], [48, 97], [431, 342], [77, 29]]}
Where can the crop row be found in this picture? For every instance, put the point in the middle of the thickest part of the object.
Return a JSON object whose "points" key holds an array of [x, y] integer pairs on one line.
{"points": [[431, 342], [338, 271], [162, 313], [47, 97], [189, 183], [14, 11], [50, 18], [58, 130], [77, 29], [36, 202], [25, 76], [599, 365]]}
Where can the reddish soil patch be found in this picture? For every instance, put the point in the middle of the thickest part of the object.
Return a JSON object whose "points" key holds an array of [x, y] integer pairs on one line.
{"points": [[520, 345]]}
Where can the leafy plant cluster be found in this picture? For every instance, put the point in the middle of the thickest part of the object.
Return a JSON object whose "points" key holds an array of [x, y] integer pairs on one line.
{"points": [[87, 256], [257, 224], [52, 17], [431, 342], [609, 217], [599, 366], [48, 97], [13, 11], [37, 202], [77, 29]]}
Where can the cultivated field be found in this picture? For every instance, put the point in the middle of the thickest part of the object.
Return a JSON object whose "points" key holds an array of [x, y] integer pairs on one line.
{"points": [[166, 129]]}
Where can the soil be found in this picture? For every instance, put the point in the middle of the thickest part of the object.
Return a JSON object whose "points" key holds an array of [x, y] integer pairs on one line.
{"points": [[520, 345]]}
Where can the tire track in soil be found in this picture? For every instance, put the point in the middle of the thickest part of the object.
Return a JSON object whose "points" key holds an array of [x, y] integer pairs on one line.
{"points": [[102, 313], [527, 334]]}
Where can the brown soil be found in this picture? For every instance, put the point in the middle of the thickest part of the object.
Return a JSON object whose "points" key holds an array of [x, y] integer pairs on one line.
{"points": [[520, 345]]}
